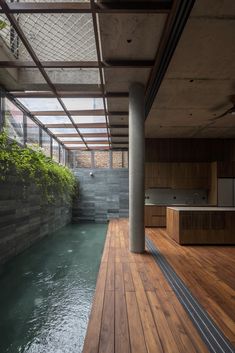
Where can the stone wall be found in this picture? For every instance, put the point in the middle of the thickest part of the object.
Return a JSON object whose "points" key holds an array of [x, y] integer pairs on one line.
{"points": [[25, 218], [102, 196]]}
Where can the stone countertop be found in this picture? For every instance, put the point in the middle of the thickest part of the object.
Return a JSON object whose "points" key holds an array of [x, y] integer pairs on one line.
{"points": [[173, 205], [211, 208]]}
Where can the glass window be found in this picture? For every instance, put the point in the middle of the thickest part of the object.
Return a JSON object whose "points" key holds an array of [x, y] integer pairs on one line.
{"points": [[62, 155], [46, 143], [32, 133], [14, 121], [55, 150]]}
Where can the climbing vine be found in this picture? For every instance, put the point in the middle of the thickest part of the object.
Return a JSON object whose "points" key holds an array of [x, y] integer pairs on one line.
{"points": [[32, 166]]}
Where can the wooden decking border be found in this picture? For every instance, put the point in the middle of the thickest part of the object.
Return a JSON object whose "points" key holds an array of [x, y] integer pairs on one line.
{"points": [[134, 308]]}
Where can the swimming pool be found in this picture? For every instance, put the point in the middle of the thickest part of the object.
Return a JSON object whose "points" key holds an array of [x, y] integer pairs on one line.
{"points": [[46, 292]]}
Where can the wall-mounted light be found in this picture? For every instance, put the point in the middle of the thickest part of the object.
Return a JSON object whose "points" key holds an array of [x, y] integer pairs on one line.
{"points": [[91, 174]]}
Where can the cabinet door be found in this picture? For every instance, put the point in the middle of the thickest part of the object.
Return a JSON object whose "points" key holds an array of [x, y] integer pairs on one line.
{"points": [[225, 192]]}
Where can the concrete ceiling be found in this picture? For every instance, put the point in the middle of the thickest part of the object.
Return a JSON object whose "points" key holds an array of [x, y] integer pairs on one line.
{"points": [[200, 77], [196, 86]]}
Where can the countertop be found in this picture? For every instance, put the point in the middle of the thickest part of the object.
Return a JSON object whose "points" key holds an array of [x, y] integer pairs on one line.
{"points": [[173, 205], [223, 209]]}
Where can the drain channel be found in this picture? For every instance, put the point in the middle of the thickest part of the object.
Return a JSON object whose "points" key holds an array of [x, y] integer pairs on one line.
{"points": [[208, 330]]}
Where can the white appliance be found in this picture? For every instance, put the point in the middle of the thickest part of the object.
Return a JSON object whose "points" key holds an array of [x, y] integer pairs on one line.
{"points": [[226, 192]]}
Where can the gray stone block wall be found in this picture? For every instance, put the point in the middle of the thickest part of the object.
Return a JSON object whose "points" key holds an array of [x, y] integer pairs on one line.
{"points": [[103, 196], [26, 218]]}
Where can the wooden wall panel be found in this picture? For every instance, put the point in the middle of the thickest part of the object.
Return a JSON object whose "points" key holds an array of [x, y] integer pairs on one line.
{"points": [[189, 150], [178, 175]]}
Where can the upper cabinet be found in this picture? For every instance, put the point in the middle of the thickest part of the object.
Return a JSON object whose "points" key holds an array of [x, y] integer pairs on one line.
{"points": [[226, 169], [178, 175]]}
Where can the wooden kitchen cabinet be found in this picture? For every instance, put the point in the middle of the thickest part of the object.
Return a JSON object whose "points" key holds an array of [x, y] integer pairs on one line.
{"points": [[155, 216]]}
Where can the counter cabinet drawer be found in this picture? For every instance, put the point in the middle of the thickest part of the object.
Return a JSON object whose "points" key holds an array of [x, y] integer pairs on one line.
{"points": [[155, 216]]}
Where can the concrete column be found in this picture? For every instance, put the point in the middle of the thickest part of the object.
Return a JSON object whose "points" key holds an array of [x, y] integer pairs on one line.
{"points": [[136, 168]]}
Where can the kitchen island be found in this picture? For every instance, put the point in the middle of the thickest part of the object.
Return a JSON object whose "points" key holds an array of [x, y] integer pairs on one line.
{"points": [[201, 225]]}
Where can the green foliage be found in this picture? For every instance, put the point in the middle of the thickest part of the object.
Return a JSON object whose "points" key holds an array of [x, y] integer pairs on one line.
{"points": [[3, 24], [32, 166]]}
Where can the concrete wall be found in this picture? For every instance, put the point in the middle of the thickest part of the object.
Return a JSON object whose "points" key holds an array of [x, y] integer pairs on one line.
{"points": [[103, 196], [25, 218]]}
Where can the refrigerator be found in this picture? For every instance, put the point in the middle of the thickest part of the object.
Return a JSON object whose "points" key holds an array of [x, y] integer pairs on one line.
{"points": [[226, 192]]}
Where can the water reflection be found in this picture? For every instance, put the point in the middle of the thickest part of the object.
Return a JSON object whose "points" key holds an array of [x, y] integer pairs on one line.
{"points": [[46, 292]]}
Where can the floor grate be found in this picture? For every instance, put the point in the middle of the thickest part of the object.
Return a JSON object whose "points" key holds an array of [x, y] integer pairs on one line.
{"points": [[208, 330]]}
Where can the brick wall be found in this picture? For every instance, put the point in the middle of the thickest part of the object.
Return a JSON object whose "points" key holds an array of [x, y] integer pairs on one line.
{"points": [[26, 218], [99, 159], [103, 196]]}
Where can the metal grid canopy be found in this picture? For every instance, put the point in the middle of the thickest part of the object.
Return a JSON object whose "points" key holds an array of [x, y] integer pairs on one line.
{"points": [[98, 26], [64, 37]]}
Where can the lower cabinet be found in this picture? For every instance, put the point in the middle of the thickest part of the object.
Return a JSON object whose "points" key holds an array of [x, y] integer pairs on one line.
{"points": [[155, 216]]}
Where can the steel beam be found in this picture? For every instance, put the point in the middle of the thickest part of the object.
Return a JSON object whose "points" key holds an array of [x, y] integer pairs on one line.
{"points": [[90, 112], [67, 94], [108, 64], [175, 24], [158, 6]]}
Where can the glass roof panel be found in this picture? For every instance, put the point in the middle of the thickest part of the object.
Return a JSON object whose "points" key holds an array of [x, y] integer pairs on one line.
{"points": [[82, 145], [41, 104], [99, 145], [70, 139], [83, 103], [92, 130], [59, 36], [54, 119], [87, 139], [63, 130], [89, 119]]}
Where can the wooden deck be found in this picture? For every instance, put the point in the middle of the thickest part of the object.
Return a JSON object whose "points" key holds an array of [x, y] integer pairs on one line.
{"points": [[209, 272], [134, 308]]}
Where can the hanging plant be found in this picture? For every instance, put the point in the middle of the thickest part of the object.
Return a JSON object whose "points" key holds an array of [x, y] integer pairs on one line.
{"points": [[53, 180], [3, 24]]}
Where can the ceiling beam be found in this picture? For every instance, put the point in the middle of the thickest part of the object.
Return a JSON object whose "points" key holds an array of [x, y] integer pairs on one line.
{"points": [[98, 142], [108, 64], [66, 94], [98, 52], [90, 112], [119, 127], [119, 143], [96, 134], [79, 126], [117, 136], [85, 125], [96, 112], [97, 148], [158, 6], [176, 21]]}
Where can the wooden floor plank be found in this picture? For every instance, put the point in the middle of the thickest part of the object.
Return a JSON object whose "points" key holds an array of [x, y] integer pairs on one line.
{"points": [[136, 311], [208, 271], [137, 340], [91, 344], [107, 326]]}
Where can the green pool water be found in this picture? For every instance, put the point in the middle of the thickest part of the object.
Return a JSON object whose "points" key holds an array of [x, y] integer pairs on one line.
{"points": [[46, 292]]}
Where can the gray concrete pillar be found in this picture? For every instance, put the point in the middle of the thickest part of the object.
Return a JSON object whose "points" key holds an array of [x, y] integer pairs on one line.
{"points": [[136, 168]]}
